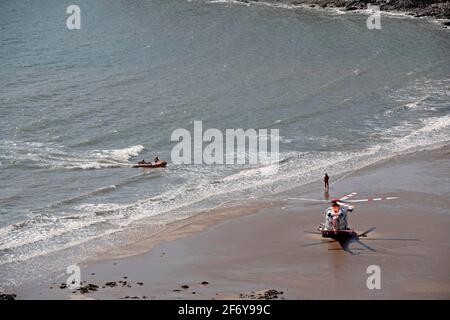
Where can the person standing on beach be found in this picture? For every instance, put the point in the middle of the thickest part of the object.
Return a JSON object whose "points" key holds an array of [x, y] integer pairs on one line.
{"points": [[326, 180]]}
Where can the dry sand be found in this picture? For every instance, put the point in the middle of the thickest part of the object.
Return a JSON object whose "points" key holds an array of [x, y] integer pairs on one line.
{"points": [[259, 247]]}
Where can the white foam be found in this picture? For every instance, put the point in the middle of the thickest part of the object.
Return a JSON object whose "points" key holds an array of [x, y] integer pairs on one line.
{"points": [[22, 257], [35, 230], [434, 130], [122, 155], [54, 156], [421, 97]]}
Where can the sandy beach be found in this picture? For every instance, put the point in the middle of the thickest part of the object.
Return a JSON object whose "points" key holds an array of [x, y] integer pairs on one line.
{"points": [[249, 103], [240, 253]]}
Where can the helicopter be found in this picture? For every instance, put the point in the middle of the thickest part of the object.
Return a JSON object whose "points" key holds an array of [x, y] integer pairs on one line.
{"points": [[334, 232]]}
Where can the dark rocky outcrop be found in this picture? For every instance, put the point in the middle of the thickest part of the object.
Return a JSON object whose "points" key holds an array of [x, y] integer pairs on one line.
{"points": [[111, 284], [439, 9], [8, 296], [269, 294], [88, 288]]}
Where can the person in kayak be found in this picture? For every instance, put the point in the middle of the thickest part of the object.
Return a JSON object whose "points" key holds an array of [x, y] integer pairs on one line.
{"points": [[156, 159], [142, 162], [336, 216]]}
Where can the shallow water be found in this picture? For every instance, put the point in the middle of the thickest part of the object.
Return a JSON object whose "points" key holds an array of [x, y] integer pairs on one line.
{"points": [[78, 107]]}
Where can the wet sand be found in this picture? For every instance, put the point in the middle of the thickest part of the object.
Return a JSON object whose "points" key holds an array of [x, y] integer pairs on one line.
{"points": [[242, 252]]}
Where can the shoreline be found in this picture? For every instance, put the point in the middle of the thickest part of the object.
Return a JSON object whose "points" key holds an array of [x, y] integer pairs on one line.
{"points": [[369, 108], [438, 11], [178, 236]]}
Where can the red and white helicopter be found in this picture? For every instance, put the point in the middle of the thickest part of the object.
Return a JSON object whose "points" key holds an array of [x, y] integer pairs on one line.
{"points": [[345, 236]]}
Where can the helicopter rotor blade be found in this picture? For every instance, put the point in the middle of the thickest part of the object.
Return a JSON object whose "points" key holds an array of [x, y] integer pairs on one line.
{"points": [[312, 232], [393, 239], [364, 234], [370, 199], [348, 196], [306, 199]]}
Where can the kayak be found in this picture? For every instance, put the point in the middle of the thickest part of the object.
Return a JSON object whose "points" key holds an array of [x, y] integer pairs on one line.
{"points": [[158, 164]]}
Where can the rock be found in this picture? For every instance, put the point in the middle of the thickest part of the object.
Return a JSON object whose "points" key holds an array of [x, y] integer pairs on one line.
{"points": [[204, 283], [84, 290], [87, 288], [111, 284], [63, 286], [139, 283], [92, 287], [185, 286], [266, 295], [7, 296], [270, 294]]}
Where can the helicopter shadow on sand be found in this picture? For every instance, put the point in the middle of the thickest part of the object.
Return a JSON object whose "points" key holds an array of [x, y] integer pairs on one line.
{"points": [[346, 240]]}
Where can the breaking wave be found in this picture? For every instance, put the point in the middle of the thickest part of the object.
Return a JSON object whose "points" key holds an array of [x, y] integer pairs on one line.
{"points": [[41, 155]]}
